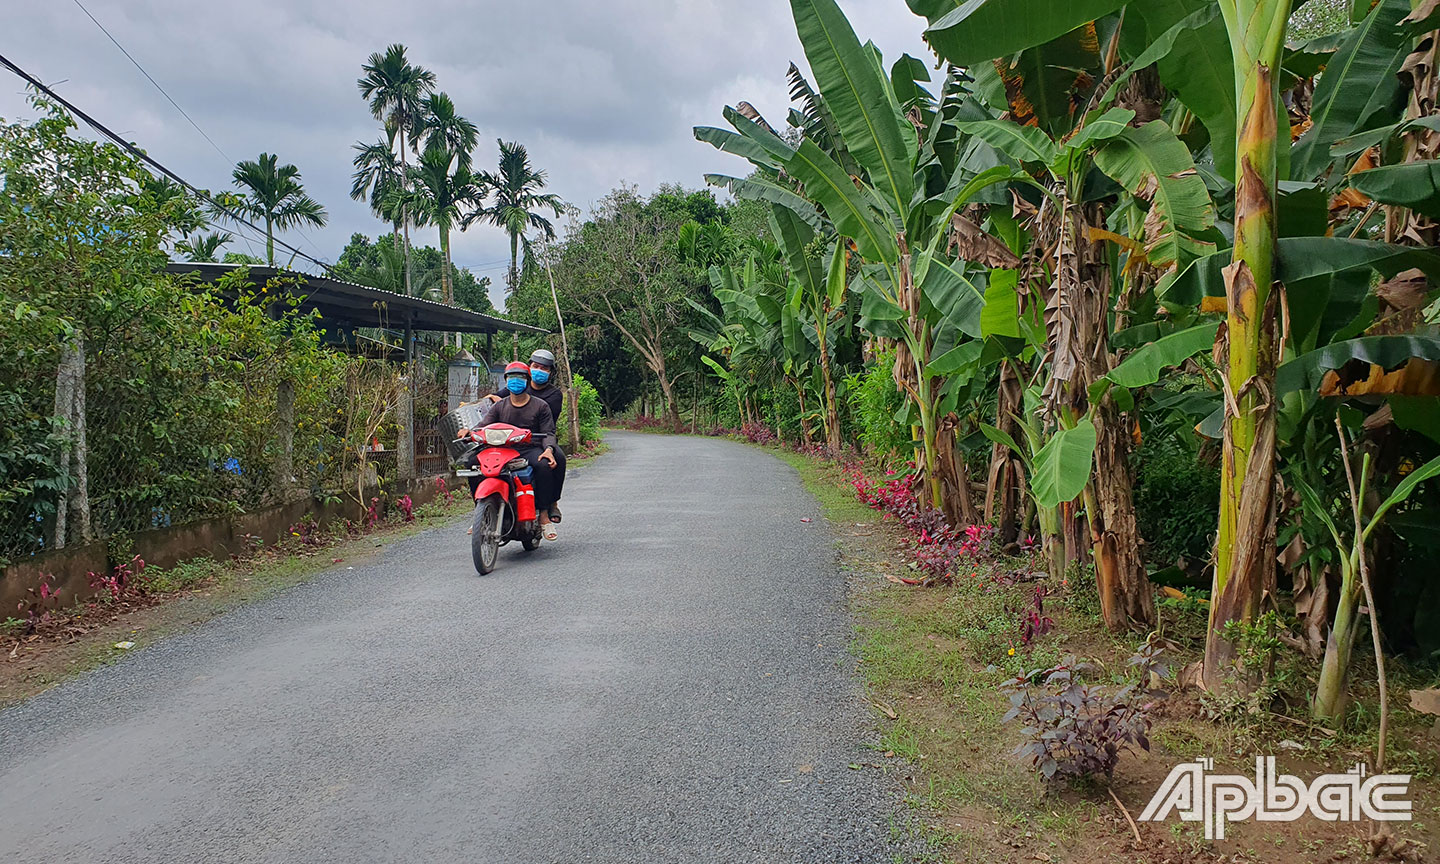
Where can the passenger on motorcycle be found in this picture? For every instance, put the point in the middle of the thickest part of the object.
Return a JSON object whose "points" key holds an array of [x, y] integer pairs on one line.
{"points": [[542, 374], [520, 408]]}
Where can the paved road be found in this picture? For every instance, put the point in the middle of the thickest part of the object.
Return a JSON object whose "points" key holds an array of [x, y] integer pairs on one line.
{"points": [[669, 683]]}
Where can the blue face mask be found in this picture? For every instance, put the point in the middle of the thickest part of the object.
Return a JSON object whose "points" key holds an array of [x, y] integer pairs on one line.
{"points": [[539, 376], [515, 385]]}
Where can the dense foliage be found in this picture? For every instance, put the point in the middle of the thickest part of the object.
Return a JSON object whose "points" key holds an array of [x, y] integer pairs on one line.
{"points": [[1092, 295], [176, 410]]}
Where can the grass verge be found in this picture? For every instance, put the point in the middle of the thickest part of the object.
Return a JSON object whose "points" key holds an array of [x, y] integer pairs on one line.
{"points": [[933, 660]]}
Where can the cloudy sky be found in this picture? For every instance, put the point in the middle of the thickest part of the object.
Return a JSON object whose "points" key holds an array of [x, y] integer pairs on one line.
{"points": [[600, 92]]}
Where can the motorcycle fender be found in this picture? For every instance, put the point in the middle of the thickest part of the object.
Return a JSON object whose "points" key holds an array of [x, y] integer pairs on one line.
{"points": [[493, 486]]}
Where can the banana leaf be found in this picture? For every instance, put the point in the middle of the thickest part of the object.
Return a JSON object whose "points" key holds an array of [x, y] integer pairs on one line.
{"points": [[1306, 371], [860, 99], [1153, 165], [1359, 90], [1415, 185], [1145, 366], [1061, 468], [849, 208], [978, 30], [756, 188]]}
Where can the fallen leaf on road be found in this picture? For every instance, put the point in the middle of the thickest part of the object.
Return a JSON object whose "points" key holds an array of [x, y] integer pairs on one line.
{"points": [[886, 710], [888, 754], [806, 769], [854, 767]]}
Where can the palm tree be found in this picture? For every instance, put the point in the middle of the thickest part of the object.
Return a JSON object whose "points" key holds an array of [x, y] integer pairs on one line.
{"points": [[377, 174], [396, 90], [204, 247], [272, 192], [516, 187], [442, 186], [443, 127]]}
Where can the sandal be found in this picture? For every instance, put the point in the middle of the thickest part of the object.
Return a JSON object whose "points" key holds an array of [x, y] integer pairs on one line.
{"points": [[548, 531], [555, 514]]}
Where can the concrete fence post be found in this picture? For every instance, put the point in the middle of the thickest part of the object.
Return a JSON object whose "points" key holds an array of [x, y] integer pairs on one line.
{"points": [[283, 481]]}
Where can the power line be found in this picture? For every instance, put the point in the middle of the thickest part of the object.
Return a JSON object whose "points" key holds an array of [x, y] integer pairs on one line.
{"points": [[148, 160], [153, 81]]}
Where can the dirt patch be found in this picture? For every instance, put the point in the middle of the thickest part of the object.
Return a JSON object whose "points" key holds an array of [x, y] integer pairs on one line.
{"points": [[934, 659]]}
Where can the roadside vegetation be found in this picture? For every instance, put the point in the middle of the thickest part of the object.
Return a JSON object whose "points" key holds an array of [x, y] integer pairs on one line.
{"points": [[1126, 316]]}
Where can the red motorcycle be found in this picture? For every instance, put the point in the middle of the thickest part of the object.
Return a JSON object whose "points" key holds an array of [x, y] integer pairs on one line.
{"points": [[504, 500]]}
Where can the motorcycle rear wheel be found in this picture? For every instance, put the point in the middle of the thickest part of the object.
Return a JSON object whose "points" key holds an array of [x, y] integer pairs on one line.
{"points": [[485, 534]]}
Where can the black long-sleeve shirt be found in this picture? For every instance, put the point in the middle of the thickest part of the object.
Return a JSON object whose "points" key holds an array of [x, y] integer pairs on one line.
{"points": [[553, 396], [533, 415]]}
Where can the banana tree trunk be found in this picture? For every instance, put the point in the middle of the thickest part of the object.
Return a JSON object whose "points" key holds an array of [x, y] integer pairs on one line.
{"points": [[832, 414], [1245, 546], [1126, 598], [1002, 487], [954, 479], [910, 356], [1335, 668], [805, 429]]}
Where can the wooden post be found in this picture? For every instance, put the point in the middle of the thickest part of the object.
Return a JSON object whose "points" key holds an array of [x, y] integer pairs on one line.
{"points": [[574, 395]]}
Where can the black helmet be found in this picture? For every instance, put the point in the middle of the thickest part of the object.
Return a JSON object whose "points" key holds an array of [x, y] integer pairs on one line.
{"points": [[543, 358]]}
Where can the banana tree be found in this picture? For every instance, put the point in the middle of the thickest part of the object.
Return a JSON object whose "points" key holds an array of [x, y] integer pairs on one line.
{"points": [[1244, 550], [819, 295], [908, 270], [1329, 702]]}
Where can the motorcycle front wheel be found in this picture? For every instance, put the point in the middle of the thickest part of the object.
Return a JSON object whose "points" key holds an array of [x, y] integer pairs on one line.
{"points": [[485, 534]]}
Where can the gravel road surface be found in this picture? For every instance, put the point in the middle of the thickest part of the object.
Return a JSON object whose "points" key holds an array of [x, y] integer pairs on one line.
{"points": [[668, 683]]}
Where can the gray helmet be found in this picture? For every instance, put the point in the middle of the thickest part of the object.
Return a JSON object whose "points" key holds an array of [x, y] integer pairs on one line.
{"points": [[543, 358]]}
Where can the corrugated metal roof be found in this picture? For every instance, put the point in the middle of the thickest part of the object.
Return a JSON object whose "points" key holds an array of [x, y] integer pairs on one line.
{"points": [[351, 305]]}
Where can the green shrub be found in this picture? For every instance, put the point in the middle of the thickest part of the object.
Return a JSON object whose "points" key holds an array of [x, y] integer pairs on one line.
{"points": [[874, 401], [591, 411], [1176, 498]]}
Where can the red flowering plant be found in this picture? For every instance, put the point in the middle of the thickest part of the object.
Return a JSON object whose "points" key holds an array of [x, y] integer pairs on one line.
{"points": [[941, 551], [36, 610], [442, 490], [407, 508], [125, 579]]}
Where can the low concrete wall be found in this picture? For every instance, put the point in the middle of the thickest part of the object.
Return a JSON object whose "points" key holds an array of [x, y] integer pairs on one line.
{"points": [[165, 547]]}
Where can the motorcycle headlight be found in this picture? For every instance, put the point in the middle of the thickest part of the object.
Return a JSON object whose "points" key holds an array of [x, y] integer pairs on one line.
{"points": [[496, 437]]}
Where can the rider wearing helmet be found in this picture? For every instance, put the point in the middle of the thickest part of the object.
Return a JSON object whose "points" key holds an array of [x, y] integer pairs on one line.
{"points": [[542, 375], [520, 408]]}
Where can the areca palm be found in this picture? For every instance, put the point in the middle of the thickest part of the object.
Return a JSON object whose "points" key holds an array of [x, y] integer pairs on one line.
{"points": [[516, 187], [377, 173], [443, 127], [204, 247], [442, 187], [396, 90], [272, 192]]}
